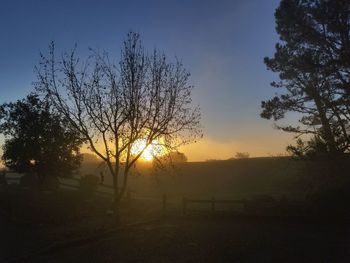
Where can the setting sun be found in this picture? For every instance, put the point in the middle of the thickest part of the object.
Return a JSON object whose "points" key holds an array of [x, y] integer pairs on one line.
{"points": [[151, 151]]}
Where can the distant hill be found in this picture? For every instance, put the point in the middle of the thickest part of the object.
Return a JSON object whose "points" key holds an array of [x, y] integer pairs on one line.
{"points": [[275, 176]]}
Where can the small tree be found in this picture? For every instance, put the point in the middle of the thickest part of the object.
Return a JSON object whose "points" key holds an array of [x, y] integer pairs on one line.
{"points": [[173, 157], [38, 141], [113, 107], [241, 155]]}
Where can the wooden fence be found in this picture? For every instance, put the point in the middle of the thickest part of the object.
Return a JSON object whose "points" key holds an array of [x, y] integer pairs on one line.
{"points": [[69, 183], [107, 190], [212, 202], [102, 189]]}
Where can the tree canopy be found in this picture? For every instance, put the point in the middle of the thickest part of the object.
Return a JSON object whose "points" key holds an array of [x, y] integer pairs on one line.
{"points": [[145, 97], [313, 62], [38, 140]]}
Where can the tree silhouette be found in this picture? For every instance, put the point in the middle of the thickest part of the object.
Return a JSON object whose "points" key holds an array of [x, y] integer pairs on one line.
{"points": [[175, 157], [309, 149], [144, 97], [312, 60], [241, 155], [38, 141]]}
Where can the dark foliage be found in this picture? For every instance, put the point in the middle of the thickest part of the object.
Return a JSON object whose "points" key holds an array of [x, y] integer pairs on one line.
{"points": [[312, 59], [89, 184], [315, 147], [172, 157], [38, 141], [242, 155]]}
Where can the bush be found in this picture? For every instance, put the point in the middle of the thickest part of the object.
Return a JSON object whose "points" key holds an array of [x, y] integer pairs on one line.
{"points": [[89, 184], [331, 202], [3, 178], [29, 180], [242, 155], [51, 183]]}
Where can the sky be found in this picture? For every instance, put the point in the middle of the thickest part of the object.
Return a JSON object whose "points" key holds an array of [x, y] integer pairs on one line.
{"points": [[222, 43]]}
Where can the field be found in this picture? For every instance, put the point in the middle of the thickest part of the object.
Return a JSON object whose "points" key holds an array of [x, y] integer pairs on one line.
{"points": [[63, 226], [241, 178]]}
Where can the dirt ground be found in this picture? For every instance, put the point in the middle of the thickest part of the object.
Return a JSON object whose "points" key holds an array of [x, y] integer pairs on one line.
{"points": [[198, 239], [82, 232]]}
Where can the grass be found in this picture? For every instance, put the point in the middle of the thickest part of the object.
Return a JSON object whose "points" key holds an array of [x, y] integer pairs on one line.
{"points": [[278, 233]]}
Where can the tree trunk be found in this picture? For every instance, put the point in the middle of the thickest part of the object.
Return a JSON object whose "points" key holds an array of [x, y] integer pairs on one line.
{"points": [[116, 201], [328, 134], [41, 180], [124, 184]]}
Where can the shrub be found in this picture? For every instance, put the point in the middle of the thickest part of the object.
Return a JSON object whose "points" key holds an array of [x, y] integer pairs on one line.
{"points": [[242, 155], [330, 201], [89, 184], [51, 183], [29, 180]]}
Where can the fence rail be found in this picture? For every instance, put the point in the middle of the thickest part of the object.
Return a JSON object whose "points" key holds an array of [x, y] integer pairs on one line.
{"points": [[212, 202], [107, 190], [69, 183]]}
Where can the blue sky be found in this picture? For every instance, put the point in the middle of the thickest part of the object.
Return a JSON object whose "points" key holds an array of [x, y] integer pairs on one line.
{"points": [[222, 44]]}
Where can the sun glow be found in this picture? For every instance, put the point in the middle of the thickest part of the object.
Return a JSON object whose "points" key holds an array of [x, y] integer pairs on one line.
{"points": [[151, 151]]}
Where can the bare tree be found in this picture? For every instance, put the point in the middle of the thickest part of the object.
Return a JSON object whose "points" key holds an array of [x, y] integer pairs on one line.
{"points": [[145, 97]]}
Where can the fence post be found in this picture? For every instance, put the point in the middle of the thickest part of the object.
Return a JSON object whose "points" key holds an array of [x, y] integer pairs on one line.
{"points": [[128, 196], [184, 206], [164, 201], [244, 201], [212, 204]]}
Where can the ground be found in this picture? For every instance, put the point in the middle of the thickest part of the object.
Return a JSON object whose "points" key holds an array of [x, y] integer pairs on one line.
{"points": [[213, 240], [185, 239], [67, 227]]}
